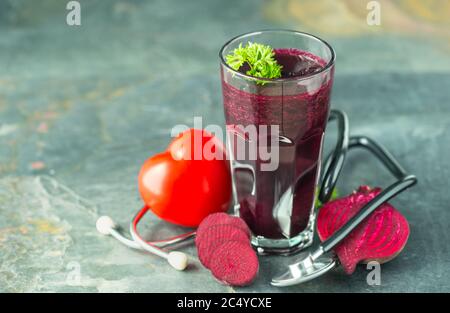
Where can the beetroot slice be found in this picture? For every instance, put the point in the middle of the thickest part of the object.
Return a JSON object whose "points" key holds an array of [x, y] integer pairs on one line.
{"points": [[240, 223], [380, 237], [234, 263], [214, 236], [222, 218]]}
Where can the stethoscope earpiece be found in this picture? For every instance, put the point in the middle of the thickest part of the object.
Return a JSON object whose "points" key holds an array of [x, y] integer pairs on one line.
{"points": [[178, 260]]}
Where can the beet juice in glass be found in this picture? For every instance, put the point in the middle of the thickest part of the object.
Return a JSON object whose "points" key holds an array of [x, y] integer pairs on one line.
{"points": [[275, 195]]}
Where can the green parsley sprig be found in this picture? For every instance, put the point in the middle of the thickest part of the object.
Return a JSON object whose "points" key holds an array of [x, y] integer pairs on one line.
{"points": [[258, 57]]}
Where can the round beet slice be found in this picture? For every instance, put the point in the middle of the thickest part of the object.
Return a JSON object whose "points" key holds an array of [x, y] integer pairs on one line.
{"points": [[211, 219], [240, 223], [234, 263], [214, 236], [380, 237], [221, 219]]}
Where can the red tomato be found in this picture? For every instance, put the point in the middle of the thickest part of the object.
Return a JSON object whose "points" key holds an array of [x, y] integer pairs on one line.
{"points": [[185, 184]]}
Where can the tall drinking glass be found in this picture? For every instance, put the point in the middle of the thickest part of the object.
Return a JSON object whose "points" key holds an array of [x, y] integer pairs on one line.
{"points": [[275, 131]]}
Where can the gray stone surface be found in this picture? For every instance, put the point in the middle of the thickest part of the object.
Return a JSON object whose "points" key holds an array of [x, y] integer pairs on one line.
{"points": [[82, 107]]}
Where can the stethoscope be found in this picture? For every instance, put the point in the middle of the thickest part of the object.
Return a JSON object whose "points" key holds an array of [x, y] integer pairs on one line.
{"points": [[178, 260]]}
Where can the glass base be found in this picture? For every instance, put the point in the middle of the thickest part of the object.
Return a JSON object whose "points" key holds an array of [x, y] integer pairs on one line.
{"points": [[286, 246]]}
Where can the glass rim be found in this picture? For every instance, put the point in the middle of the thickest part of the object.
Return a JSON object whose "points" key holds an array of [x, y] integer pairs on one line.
{"points": [[329, 64]]}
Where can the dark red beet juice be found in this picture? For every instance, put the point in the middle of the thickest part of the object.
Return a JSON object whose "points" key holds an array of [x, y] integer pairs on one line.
{"points": [[278, 204]]}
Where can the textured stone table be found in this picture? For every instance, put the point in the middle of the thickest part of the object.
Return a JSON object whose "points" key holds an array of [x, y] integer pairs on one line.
{"points": [[82, 107]]}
